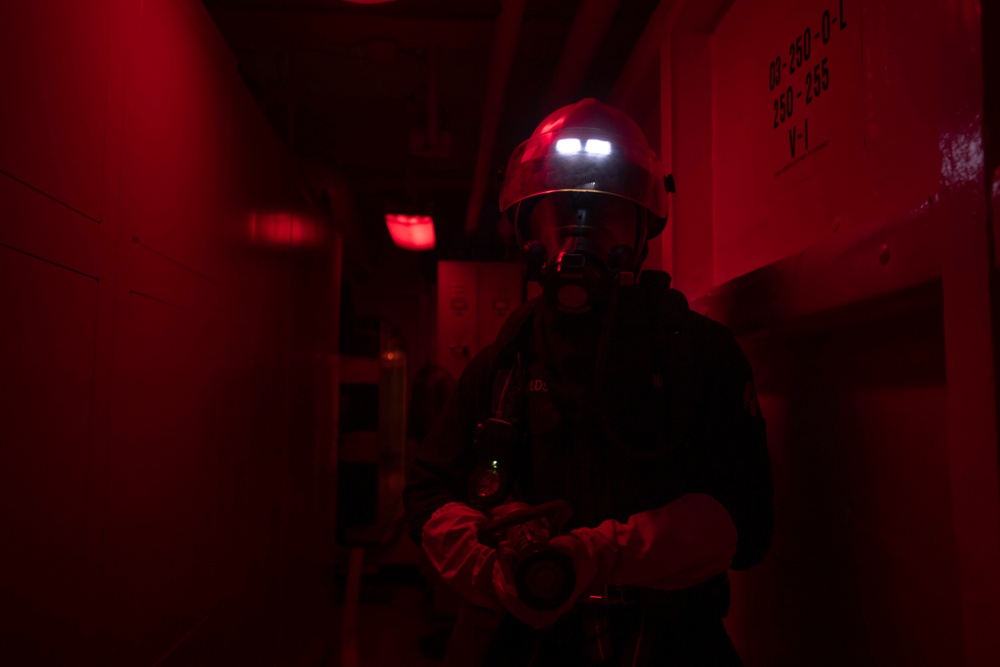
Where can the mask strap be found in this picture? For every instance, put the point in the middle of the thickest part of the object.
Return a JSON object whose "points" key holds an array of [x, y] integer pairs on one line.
{"points": [[502, 401]]}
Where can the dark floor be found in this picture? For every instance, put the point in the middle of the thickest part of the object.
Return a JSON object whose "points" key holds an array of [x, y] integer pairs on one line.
{"points": [[398, 623], [403, 617]]}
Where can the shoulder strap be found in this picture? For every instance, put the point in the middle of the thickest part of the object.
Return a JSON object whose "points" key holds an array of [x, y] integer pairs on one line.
{"points": [[508, 371]]}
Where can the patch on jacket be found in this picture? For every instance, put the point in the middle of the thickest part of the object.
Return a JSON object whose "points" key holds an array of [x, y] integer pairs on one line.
{"points": [[537, 385]]}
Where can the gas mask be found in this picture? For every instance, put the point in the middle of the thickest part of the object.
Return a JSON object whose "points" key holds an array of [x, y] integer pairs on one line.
{"points": [[581, 245]]}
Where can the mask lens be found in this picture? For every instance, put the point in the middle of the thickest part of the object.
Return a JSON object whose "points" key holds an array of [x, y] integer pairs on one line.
{"points": [[583, 222]]}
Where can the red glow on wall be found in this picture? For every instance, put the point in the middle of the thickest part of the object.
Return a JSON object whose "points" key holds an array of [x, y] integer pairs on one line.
{"points": [[411, 232], [283, 228]]}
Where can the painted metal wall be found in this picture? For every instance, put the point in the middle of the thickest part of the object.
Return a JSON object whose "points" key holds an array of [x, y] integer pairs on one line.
{"points": [[161, 461], [831, 208], [473, 301]]}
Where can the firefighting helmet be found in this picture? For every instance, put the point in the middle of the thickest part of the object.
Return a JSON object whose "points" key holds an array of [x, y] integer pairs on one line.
{"points": [[587, 146]]}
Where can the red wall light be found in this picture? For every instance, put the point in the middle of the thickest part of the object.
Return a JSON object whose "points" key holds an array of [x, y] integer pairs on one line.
{"points": [[283, 228], [411, 232]]}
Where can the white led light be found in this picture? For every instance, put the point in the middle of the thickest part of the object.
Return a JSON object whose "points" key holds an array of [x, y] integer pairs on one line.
{"points": [[568, 146], [598, 147]]}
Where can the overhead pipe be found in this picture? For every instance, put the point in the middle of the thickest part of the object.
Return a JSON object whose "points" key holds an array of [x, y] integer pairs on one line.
{"points": [[640, 67], [504, 45], [648, 62], [590, 26], [432, 97], [642, 63]]}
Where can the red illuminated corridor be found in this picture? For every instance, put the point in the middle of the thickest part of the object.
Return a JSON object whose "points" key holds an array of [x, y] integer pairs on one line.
{"points": [[248, 248]]}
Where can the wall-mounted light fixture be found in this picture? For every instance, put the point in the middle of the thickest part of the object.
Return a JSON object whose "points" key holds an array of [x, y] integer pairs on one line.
{"points": [[411, 232], [283, 228]]}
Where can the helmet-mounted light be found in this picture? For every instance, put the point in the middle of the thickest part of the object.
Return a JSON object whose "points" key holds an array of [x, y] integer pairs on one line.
{"points": [[587, 146], [598, 147], [592, 147], [568, 146]]}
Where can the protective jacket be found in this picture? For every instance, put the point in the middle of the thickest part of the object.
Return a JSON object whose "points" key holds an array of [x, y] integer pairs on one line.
{"points": [[618, 416]]}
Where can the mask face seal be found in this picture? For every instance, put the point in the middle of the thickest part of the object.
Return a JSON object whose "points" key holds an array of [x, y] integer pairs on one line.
{"points": [[581, 245]]}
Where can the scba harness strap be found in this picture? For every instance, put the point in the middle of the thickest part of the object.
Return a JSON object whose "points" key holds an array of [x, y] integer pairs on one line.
{"points": [[671, 351], [657, 379], [673, 370], [498, 434]]}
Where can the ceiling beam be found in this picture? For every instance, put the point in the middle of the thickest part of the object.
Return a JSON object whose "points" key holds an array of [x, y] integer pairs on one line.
{"points": [[636, 89], [590, 26], [262, 28], [504, 44]]}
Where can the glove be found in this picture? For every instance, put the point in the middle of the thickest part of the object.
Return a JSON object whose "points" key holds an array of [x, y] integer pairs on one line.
{"points": [[449, 540], [679, 545]]}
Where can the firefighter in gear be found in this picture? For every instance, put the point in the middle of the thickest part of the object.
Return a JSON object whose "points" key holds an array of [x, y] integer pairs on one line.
{"points": [[608, 395]]}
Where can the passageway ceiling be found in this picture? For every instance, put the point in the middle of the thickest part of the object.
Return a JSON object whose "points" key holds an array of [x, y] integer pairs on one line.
{"points": [[359, 87]]}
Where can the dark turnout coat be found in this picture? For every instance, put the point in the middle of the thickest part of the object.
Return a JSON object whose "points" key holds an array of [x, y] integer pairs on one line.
{"points": [[617, 415]]}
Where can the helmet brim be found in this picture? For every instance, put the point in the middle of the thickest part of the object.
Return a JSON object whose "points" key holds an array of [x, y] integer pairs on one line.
{"points": [[543, 165]]}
